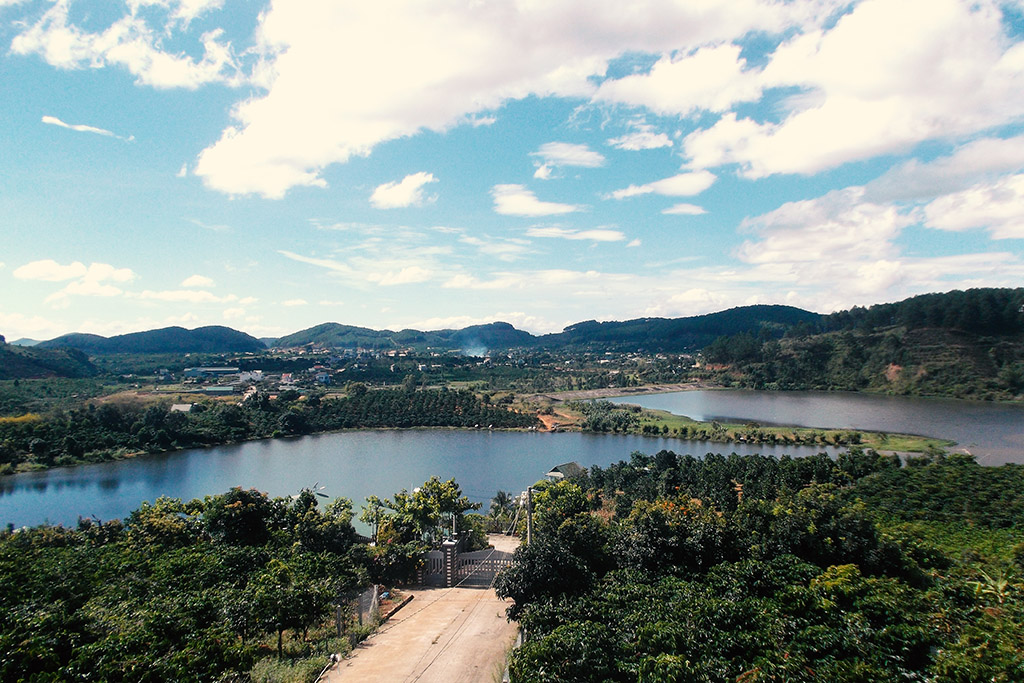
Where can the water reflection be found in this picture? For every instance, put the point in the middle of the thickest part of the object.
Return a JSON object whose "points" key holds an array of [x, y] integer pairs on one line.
{"points": [[357, 464], [351, 464]]}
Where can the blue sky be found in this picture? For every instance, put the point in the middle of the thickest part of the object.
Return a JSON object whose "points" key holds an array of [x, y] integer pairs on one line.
{"points": [[429, 164]]}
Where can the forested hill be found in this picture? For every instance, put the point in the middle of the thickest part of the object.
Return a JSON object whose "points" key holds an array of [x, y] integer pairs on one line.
{"points": [[679, 334], [497, 335], [212, 339], [968, 344], [19, 362], [642, 334]]}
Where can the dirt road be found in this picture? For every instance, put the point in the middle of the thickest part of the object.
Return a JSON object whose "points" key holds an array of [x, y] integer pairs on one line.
{"points": [[444, 635]]}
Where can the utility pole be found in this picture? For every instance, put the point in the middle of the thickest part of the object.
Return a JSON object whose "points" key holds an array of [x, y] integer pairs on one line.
{"points": [[529, 514]]}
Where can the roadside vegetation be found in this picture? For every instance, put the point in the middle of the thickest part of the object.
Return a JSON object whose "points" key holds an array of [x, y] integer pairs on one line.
{"points": [[235, 587]]}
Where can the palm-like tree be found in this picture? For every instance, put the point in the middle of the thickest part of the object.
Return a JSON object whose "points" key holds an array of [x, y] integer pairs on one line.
{"points": [[503, 502]]}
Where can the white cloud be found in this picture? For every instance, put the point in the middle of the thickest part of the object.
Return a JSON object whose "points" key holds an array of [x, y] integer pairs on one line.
{"points": [[93, 280], [635, 243], [502, 249], [234, 313], [406, 192], [567, 154], [81, 128], [197, 281], [684, 209], [404, 266], [182, 172], [711, 78], [682, 185], [215, 227], [998, 207], [975, 161], [406, 275], [192, 296], [295, 302], [130, 43], [543, 172], [692, 301], [17, 325], [516, 200], [50, 271], [837, 228], [596, 235], [642, 139], [341, 78], [935, 68]]}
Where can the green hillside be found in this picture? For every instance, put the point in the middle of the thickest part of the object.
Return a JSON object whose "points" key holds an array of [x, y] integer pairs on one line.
{"points": [[211, 339], [679, 334], [22, 362], [964, 344], [642, 334]]}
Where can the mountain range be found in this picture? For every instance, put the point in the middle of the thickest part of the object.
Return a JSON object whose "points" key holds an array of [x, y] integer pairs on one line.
{"points": [[977, 311]]}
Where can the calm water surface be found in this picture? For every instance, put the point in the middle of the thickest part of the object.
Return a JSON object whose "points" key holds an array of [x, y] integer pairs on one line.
{"points": [[994, 432], [353, 464]]}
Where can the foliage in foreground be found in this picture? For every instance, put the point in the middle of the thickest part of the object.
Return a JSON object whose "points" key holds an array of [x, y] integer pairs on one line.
{"points": [[749, 568], [180, 591]]}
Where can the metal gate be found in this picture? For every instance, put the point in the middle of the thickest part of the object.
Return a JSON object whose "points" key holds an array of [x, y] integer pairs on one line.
{"points": [[478, 569]]}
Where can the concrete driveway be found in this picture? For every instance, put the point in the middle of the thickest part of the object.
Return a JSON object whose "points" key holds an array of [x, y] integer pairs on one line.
{"points": [[444, 635]]}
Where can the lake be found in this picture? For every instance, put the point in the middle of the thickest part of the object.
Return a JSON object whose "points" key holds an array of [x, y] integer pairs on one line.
{"points": [[994, 432], [356, 464], [353, 464]]}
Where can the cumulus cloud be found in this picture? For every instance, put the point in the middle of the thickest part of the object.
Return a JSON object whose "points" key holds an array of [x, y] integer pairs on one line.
{"points": [[595, 235], [682, 185], [997, 207], [967, 165], [93, 280], [197, 281], [87, 279], [684, 209], [409, 191], [433, 66], [711, 78], [50, 271], [935, 68], [835, 228], [516, 200]]}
